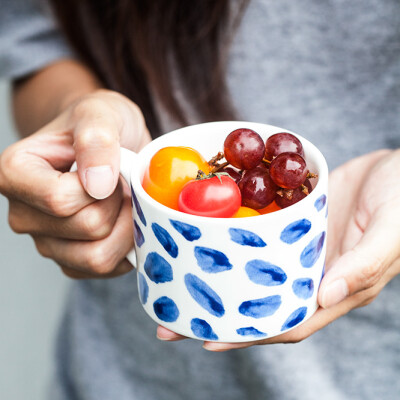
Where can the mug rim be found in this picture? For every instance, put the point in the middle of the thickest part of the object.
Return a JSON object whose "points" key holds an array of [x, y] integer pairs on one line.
{"points": [[138, 166]]}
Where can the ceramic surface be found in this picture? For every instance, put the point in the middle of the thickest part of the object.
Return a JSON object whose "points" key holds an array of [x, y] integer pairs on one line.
{"points": [[227, 279]]}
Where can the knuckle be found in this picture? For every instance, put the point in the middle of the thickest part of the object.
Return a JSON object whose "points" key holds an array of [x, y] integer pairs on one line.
{"points": [[15, 223], [100, 137], [42, 247], [100, 261], [88, 105], [96, 224], [56, 202], [372, 272], [70, 273]]}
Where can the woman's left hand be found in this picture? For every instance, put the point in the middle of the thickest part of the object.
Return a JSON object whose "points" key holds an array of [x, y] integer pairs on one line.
{"points": [[363, 249]]}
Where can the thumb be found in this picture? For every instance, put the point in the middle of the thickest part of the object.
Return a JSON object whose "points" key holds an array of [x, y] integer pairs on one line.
{"points": [[363, 266], [97, 151]]}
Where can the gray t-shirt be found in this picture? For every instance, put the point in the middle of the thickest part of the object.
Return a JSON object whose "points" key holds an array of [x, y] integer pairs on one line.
{"points": [[327, 70]]}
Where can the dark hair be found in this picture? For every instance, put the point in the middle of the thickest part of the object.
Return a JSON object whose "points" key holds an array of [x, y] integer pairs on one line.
{"points": [[140, 47]]}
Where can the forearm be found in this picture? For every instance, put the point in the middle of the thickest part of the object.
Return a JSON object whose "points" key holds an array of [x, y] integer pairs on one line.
{"points": [[42, 96]]}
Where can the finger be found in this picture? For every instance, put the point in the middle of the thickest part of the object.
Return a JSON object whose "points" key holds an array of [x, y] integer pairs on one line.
{"points": [[27, 175], [167, 335], [364, 265], [97, 144], [122, 268], [93, 222], [94, 257]]}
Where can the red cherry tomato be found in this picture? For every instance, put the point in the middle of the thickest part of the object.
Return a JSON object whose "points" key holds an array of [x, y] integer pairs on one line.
{"points": [[217, 197]]}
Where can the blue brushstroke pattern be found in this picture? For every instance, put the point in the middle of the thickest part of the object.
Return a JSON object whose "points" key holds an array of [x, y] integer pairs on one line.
{"points": [[303, 288], [265, 273], [204, 295], [311, 253], [138, 234], [246, 238], [250, 331], [202, 329], [210, 260], [143, 288], [138, 208], [189, 232], [320, 202], [165, 239], [166, 309], [295, 231], [157, 268], [260, 308], [295, 318]]}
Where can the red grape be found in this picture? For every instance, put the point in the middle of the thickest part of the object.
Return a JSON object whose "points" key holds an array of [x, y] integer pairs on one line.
{"points": [[282, 143], [257, 188], [244, 148], [288, 170], [233, 173], [297, 195]]}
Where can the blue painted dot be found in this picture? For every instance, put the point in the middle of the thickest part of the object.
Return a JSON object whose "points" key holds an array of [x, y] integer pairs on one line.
{"points": [[265, 273], [250, 331], [202, 329], [260, 308], [189, 232], [143, 288], [311, 253], [157, 268], [210, 260], [204, 295], [165, 239], [138, 234], [138, 208], [246, 238], [303, 288], [166, 309], [320, 202], [295, 318], [295, 231]]}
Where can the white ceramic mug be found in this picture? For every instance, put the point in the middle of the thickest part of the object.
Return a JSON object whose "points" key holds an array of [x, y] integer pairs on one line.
{"points": [[227, 279]]}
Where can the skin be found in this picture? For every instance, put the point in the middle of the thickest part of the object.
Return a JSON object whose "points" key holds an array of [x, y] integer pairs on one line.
{"points": [[82, 220]]}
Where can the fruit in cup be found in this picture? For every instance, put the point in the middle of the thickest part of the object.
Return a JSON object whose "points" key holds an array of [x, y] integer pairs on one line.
{"points": [[244, 148], [217, 196], [288, 170], [169, 169], [247, 184]]}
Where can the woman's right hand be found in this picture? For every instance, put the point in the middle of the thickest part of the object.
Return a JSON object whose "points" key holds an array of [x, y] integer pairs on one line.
{"points": [[82, 219]]}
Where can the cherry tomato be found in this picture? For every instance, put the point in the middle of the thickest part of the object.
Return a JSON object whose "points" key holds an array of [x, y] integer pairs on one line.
{"points": [[270, 208], [169, 169], [245, 212], [217, 197]]}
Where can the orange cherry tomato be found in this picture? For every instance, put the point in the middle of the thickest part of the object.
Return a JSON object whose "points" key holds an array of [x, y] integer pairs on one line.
{"points": [[169, 169], [245, 212], [270, 208]]}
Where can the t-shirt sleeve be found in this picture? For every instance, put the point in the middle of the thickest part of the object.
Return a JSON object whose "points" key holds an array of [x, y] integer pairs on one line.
{"points": [[29, 38]]}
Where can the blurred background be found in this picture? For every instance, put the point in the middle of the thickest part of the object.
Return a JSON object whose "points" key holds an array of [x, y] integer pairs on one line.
{"points": [[32, 295]]}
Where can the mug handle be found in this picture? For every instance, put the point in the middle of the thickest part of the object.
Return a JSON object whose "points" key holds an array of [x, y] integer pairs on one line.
{"points": [[127, 160]]}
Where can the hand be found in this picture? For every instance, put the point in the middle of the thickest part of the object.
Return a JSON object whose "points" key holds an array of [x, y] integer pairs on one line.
{"points": [[363, 252], [82, 220]]}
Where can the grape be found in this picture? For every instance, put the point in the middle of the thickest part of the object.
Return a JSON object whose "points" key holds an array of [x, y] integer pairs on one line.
{"points": [[288, 170], [282, 143], [297, 195], [244, 148], [233, 173], [257, 188]]}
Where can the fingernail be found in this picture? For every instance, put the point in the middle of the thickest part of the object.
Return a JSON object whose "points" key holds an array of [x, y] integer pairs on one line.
{"points": [[335, 293], [99, 181]]}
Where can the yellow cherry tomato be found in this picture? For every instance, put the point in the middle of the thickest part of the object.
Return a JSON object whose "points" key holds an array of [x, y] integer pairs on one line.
{"points": [[169, 169], [245, 212]]}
